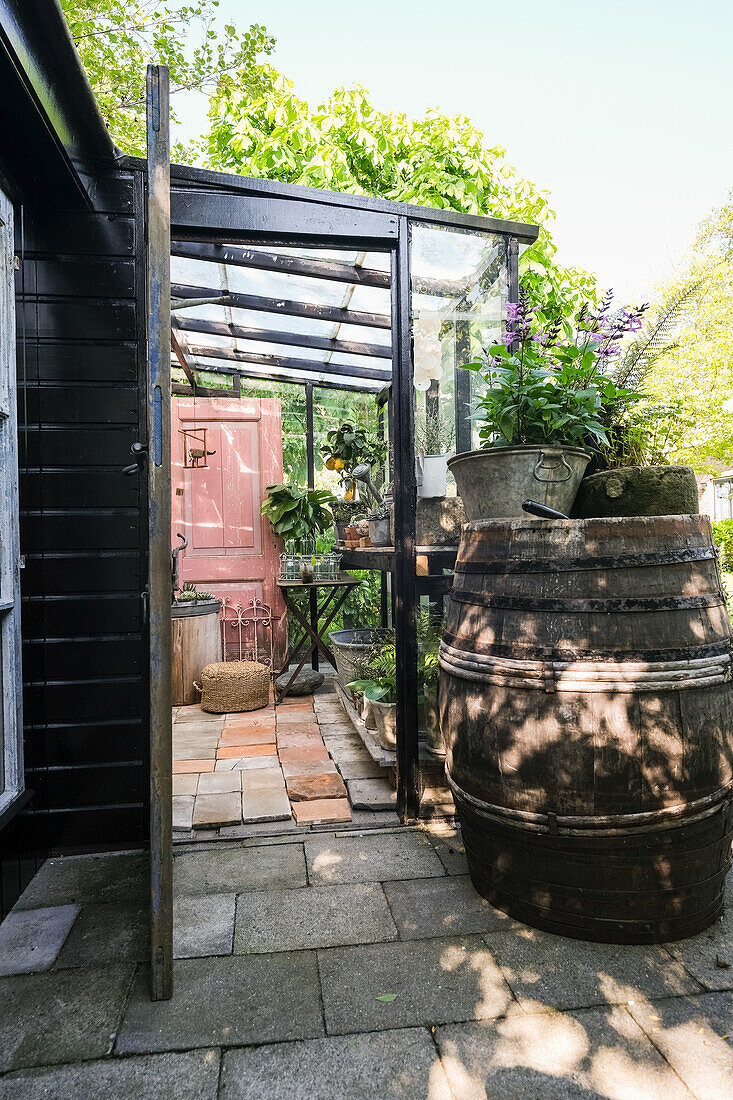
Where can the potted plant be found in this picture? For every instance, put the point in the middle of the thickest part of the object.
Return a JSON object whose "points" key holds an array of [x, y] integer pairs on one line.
{"points": [[541, 409], [631, 474], [429, 633], [379, 685], [190, 595], [379, 525], [344, 513], [297, 513], [349, 446], [433, 441]]}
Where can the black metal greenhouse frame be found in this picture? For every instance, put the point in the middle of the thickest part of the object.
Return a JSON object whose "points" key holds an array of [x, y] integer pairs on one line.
{"points": [[209, 212]]}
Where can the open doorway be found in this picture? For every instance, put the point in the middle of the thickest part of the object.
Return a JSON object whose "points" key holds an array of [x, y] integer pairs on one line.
{"points": [[281, 355]]}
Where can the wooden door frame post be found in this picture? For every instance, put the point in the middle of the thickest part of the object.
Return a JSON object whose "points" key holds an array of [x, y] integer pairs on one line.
{"points": [[159, 530]]}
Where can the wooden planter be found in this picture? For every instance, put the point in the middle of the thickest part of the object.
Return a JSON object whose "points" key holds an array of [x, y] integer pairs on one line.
{"points": [[196, 640]]}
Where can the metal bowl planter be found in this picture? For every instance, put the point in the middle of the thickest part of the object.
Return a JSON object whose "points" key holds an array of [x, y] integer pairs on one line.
{"points": [[350, 648], [638, 491], [493, 482]]}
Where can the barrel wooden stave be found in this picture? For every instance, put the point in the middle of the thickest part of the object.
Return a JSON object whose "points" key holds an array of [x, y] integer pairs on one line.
{"points": [[625, 749]]}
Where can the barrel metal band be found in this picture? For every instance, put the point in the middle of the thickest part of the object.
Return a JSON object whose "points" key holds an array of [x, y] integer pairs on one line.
{"points": [[683, 813], [585, 676], [572, 606], [579, 565], [533, 652]]}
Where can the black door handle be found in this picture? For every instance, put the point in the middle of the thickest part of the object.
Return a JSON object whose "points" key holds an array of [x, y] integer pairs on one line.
{"points": [[140, 451]]}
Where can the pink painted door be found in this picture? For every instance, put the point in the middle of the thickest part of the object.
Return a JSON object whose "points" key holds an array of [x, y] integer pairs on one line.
{"points": [[232, 551]]}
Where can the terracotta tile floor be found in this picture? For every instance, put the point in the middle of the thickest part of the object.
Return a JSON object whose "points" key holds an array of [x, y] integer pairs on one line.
{"points": [[268, 765]]}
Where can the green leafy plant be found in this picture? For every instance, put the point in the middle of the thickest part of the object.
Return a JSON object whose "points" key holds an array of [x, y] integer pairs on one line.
{"points": [[723, 536], [297, 513], [188, 593], [116, 39], [349, 446], [345, 510], [433, 435], [378, 681], [541, 388], [430, 627]]}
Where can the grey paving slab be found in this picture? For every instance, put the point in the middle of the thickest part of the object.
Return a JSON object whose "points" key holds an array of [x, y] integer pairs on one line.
{"points": [[372, 794], [185, 783], [235, 869], [360, 769], [203, 925], [318, 916], [426, 982], [107, 934], [30, 939], [709, 956], [559, 1056], [266, 804], [61, 1015], [220, 782], [447, 906], [386, 1065], [69, 880], [371, 858], [227, 1001], [196, 714], [213, 810], [448, 844], [190, 1076], [183, 809], [261, 830], [195, 752], [695, 1035], [369, 819], [548, 971]]}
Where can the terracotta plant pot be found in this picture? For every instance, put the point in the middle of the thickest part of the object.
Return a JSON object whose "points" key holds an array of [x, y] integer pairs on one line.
{"points": [[493, 483]]}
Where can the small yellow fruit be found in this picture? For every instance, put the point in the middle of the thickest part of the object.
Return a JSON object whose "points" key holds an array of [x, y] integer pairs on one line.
{"points": [[349, 494], [339, 464], [331, 463]]}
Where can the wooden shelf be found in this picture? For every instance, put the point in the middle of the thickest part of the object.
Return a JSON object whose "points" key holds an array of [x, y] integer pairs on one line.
{"points": [[382, 558]]}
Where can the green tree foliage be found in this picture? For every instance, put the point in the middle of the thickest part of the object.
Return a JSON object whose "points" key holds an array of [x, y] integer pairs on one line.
{"points": [[116, 39], [695, 368], [346, 144]]}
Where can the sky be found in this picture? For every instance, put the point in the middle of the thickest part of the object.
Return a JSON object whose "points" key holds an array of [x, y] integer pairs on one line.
{"points": [[621, 110]]}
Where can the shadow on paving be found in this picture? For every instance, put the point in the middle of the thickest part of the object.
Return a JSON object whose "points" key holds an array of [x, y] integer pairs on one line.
{"points": [[347, 967]]}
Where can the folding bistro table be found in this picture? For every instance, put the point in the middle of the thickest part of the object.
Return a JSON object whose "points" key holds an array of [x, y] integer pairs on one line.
{"points": [[336, 592]]}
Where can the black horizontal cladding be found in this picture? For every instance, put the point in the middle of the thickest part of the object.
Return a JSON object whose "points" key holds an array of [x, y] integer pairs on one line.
{"points": [[80, 362], [81, 657], [55, 616], [68, 573], [98, 785], [70, 361], [79, 403], [53, 531], [106, 741]]}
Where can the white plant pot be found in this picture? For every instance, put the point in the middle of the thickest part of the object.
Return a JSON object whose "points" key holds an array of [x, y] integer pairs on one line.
{"points": [[367, 713], [434, 470], [385, 717]]}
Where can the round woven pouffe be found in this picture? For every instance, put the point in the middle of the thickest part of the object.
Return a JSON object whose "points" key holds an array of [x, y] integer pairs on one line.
{"points": [[229, 686]]}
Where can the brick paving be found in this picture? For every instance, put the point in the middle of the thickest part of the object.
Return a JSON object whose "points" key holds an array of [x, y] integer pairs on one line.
{"points": [[284, 763], [344, 966]]}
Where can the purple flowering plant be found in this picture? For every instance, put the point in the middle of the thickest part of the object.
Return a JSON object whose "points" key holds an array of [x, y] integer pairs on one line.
{"points": [[552, 382]]}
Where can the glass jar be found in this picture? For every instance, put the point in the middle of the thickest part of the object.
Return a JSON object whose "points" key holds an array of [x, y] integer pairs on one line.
{"points": [[306, 568], [283, 575], [292, 571]]}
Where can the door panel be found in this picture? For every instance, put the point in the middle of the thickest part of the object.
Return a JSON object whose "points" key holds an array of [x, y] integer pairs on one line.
{"points": [[231, 549]]}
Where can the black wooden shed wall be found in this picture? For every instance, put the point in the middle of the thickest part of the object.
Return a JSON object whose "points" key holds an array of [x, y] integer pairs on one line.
{"points": [[80, 344]]}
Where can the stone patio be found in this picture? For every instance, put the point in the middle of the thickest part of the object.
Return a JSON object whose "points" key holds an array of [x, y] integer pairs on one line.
{"points": [[299, 762], [344, 964]]}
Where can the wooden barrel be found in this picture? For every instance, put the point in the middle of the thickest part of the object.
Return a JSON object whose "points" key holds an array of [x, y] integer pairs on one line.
{"points": [[587, 708], [196, 642]]}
